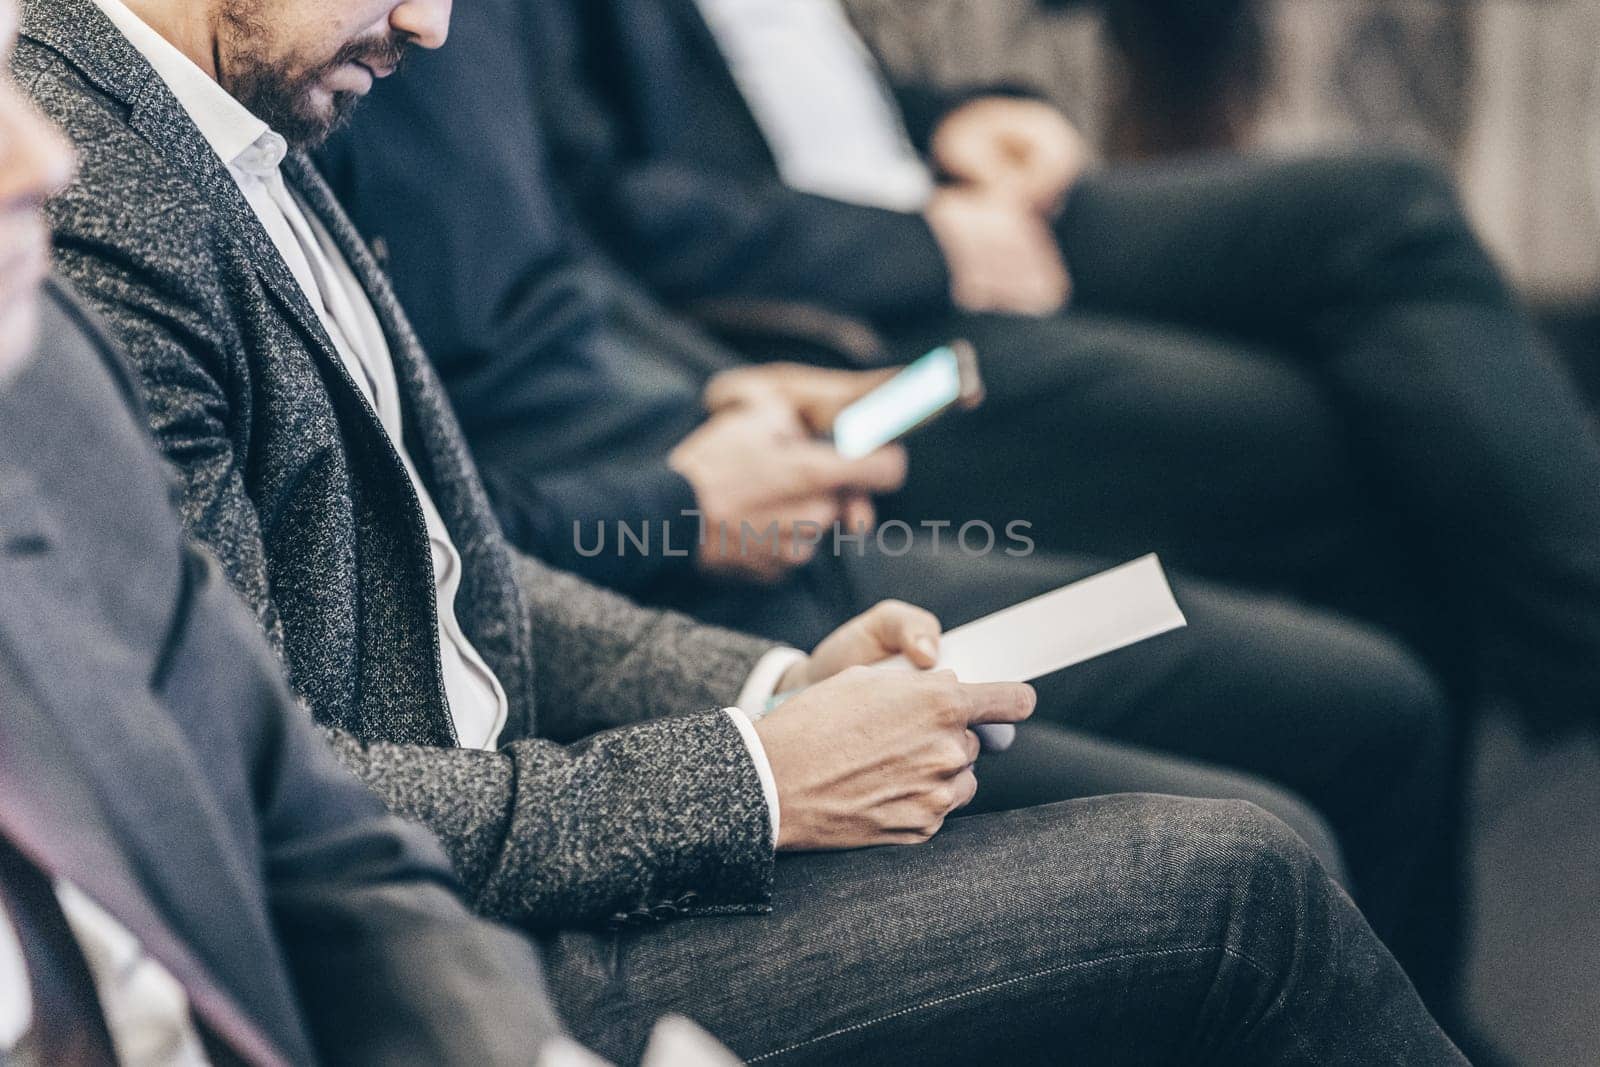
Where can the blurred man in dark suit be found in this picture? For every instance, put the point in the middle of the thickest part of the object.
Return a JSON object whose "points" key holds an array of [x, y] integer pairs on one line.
{"points": [[189, 873], [1430, 469]]}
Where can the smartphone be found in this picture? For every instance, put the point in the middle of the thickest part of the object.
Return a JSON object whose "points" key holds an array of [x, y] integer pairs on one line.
{"points": [[945, 378]]}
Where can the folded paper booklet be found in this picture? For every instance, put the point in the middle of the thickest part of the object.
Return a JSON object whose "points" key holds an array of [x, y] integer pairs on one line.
{"points": [[1049, 633]]}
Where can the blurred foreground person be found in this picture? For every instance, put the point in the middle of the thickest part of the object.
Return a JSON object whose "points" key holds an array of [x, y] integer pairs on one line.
{"points": [[1123, 929]]}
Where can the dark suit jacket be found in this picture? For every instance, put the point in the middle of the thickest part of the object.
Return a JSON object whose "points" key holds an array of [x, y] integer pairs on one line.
{"points": [[288, 476], [651, 136], [149, 745], [570, 386]]}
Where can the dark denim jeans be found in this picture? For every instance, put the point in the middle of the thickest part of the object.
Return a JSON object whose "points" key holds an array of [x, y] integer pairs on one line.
{"points": [[1118, 930]]}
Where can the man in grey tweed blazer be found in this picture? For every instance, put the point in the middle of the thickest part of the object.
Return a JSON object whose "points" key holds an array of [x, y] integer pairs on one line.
{"points": [[1124, 929]]}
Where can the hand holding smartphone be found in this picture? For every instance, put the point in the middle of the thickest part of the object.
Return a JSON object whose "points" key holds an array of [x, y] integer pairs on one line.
{"points": [[945, 378]]}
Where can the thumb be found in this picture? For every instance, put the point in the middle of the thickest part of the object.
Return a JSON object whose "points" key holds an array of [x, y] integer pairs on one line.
{"points": [[902, 628], [1000, 702]]}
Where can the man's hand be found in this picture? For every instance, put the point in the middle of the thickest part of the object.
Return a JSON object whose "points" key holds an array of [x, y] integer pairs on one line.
{"points": [[758, 466], [1021, 149], [816, 394], [1001, 254], [880, 757], [888, 629]]}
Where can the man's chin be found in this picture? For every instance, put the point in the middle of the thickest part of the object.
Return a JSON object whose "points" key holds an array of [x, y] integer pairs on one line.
{"points": [[323, 115], [304, 115]]}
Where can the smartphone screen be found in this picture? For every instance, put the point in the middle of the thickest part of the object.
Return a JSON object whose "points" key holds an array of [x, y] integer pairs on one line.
{"points": [[898, 406]]}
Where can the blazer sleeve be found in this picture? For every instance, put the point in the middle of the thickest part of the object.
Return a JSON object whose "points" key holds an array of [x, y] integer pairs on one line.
{"points": [[666, 813], [648, 822], [696, 234], [603, 661]]}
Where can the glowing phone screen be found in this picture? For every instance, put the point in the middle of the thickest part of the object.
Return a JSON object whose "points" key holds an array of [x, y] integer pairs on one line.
{"points": [[898, 406]]}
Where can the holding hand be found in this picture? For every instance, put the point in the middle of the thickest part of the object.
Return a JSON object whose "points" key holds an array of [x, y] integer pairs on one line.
{"points": [[888, 629], [816, 394], [758, 465], [880, 757], [1001, 254], [1025, 150]]}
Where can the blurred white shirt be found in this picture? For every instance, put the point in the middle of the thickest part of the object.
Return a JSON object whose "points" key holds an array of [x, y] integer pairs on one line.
{"points": [[819, 96]]}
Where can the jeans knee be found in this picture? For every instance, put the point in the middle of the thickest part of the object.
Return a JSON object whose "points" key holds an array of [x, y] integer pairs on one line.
{"points": [[1234, 844], [1310, 827], [1403, 178], [1276, 883]]}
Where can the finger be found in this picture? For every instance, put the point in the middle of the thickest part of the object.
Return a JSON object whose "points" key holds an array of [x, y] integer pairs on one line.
{"points": [[823, 470], [882, 472], [798, 519], [904, 628], [921, 816], [999, 702], [966, 788], [859, 514], [737, 389], [776, 417], [822, 403], [973, 744]]}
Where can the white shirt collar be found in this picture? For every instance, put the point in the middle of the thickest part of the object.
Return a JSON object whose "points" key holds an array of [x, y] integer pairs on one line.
{"points": [[237, 136]]}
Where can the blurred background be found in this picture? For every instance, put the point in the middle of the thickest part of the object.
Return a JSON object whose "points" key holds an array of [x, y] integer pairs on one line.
{"points": [[1507, 93]]}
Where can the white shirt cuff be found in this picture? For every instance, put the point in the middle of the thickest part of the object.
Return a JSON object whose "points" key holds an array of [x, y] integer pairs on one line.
{"points": [[762, 685], [758, 756]]}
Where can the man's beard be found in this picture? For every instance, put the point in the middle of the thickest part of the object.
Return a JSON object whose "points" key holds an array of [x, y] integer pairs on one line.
{"points": [[286, 99]]}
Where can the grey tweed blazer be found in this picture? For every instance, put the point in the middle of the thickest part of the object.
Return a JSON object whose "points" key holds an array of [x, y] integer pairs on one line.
{"points": [[607, 800]]}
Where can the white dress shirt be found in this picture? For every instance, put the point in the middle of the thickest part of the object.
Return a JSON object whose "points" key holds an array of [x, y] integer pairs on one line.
{"points": [[819, 97], [147, 1011]]}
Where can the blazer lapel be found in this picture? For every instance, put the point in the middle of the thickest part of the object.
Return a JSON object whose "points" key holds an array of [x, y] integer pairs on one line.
{"points": [[709, 59], [47, 804], [491, 607]]}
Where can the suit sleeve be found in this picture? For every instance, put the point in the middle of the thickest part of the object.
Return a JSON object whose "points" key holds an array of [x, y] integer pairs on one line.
{"points": [[669, 812], [700, 235], [663, 817], [925, 106]]}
